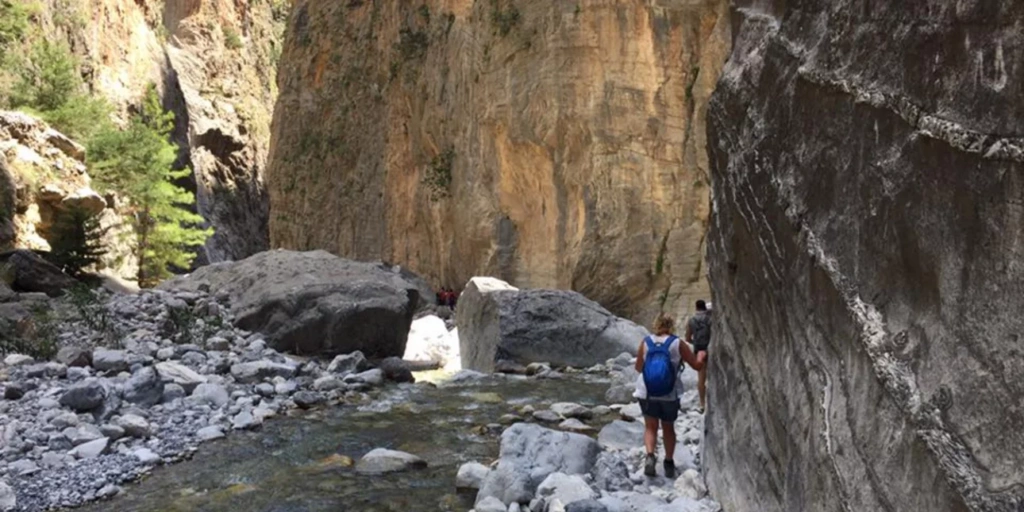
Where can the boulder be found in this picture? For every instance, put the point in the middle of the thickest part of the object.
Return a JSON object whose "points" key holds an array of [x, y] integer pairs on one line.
{"points": [[84, 396], [396, 370], [571, 410], [134, 426], [209, 433], [490, 504], [497, 321], [381, 461], [74, 356], [18, 360], [306, 399], [144, 387], [34, 274], [213, 395], [179, 374], [91, 450], [348, 363], [8, 498], [430, 340], [621, 435], [314, 302], [529, 453], [566, 488], [867, 333], [471, 475], [110, 360], [586, 506]]}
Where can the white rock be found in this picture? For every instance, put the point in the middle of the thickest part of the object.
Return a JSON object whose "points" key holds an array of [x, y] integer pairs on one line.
{"points": [[18, 360], [109, 360], [374, 377], [245, 420], [211, 394], [430, 340], [328, 383], [146, 456], [180, 375], [380, 461], [209, 433], [471, 475], [691, 485], [621, 435], [490, 504], [8, 500], [90, 450], [134, 426], [571, 410], [575, 425], [565, 489]]}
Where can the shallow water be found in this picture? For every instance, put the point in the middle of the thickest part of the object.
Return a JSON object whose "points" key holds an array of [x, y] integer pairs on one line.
{"points": [[302, 463]]}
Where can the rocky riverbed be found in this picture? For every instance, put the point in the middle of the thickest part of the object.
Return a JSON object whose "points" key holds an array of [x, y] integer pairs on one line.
{"points": [[143, 380]]}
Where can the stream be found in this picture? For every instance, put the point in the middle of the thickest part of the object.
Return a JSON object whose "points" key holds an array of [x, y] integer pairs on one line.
{"points": [[304, 462]]}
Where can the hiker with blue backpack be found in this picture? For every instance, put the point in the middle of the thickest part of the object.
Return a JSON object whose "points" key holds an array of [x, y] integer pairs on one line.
{"points": [[658, 362]]}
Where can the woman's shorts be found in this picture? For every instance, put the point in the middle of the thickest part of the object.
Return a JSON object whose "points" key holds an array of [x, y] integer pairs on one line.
{"points": [[663, 410]]}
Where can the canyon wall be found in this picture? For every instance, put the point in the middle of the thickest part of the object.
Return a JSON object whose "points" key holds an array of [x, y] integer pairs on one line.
{"points": [[865, 253], [548, 143], [214, 63]]}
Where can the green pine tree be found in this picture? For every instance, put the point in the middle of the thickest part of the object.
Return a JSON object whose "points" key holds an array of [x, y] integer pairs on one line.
{"points": [[137, 162], [77, 241]]}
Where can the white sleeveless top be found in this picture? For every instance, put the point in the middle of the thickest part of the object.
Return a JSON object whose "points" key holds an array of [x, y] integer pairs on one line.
{"points": [[641, 388]]}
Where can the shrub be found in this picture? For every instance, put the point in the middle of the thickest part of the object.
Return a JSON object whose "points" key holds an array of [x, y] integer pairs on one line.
{"points": [[438, 177], [77, 241], [232, 39], [504, 20]]}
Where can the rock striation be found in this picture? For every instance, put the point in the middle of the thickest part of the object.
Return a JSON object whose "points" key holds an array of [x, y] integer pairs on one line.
{"points": [[497, 322], [866, 161], [550, 144]]}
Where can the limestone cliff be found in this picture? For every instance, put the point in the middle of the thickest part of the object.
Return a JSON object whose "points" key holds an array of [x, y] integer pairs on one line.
{"points": [[865, 257], [549, 143], [214, 62]]}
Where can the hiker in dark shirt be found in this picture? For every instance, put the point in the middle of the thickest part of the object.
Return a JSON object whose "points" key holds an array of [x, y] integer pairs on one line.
{"points": [[698, 334]]}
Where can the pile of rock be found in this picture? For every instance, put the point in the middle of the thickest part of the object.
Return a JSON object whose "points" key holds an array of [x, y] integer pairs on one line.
{"points": [[72, 429], [545, 470]]}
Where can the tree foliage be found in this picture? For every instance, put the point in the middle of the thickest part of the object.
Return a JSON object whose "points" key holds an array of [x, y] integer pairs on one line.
{"points": [[77, 241], [138, 163]]}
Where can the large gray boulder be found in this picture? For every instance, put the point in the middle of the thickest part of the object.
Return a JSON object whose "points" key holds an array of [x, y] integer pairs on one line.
{"points": [[34, 274], [497, 321], [529, 454], [314, 302], [867, 162]]}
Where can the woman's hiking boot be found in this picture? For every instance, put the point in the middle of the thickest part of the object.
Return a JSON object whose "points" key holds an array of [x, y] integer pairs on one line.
{"points": [[670, 468], [650, 467]]}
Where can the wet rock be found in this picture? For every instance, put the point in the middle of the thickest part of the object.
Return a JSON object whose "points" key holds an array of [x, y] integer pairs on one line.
{"points": [[145, 388], [565, 488], [537, 368], [350, 305], [396, 370], [381, 461], [179, 374], [529, 453], [471, 475], [571, 410], [146, 456], [547, 416], [495, 318], [209, 433], [74, 356], [245, 420], [110, 360], [211, 394], [84, 396], [307, 399], [374, 377], [348, 363]]}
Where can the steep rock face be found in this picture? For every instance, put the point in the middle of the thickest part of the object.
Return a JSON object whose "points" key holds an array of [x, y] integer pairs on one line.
{"points": [[551, 144], [214, 63], [865, 257], [42, 178]]}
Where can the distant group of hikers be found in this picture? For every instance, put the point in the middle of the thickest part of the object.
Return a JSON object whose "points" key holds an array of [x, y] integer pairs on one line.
{"points": [[447, 297], [659, 360]]}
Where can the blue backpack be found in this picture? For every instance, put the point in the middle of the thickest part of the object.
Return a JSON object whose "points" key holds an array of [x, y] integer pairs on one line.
{"points": [[659, 372]]}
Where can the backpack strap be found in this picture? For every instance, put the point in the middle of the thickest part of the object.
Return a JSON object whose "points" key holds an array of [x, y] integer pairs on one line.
{"points": [[649, 342]]}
